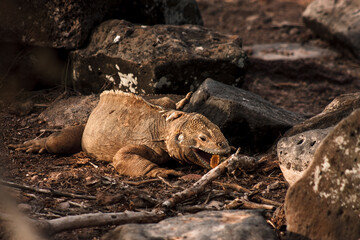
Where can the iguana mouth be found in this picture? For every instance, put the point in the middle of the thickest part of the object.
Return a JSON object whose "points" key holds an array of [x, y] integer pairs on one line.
{"points": [[207, 159]]}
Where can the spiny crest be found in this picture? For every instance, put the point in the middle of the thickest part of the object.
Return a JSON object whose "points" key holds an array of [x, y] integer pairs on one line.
{"points": [[130, 95]]}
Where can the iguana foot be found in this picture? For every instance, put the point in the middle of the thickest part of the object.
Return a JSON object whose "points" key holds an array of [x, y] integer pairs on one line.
{"points": [[180, 105], [32, 146]]}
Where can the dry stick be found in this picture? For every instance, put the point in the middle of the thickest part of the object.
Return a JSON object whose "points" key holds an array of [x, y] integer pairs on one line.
{"points": [[96, 219], [268, 201], [47, 191], [68, 223], [233, 186], [231, 164], [241, 202], [142, 182], [169, 184]]}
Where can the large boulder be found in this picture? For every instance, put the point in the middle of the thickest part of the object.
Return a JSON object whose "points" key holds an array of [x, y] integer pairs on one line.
{"points": [[67, 24], [246, 119], [295, 153], [333, 113], [207, 225], [336, 21], [156, 59], [296, 148], [325, 202]]}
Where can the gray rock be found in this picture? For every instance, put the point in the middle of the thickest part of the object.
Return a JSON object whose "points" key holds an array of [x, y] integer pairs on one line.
{"points": [[67, 24], [338, 109], [287, 51], [336, 21], [207, 225], [295, 153], [70, 111], [156, 59], [246, 119], [325, 202]]}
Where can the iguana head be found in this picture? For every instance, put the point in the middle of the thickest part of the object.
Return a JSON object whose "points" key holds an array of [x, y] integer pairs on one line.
{"points": [[194, 139]]}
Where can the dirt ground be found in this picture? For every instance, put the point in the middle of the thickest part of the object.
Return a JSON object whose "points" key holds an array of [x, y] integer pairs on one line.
{"points": [[256, 21]]}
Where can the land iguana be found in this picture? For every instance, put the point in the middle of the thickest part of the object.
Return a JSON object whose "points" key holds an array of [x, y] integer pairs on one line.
{"points": [[137, 136]]}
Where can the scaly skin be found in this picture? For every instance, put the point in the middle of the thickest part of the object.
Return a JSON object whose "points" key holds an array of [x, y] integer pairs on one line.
{"points": [[136, 136]]}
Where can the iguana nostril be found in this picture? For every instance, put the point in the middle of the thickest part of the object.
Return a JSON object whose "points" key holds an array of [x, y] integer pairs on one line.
{"points": [[222, 144]]}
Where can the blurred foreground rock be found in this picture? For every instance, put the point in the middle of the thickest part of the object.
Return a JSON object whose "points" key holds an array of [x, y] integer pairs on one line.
{"points": [[325, 202], [336, 21], [156, 59], [296, 152], [296, 149], [67, 24], [207, 225], [246, 119]]}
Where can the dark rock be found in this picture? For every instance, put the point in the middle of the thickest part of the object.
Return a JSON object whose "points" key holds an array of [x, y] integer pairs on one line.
{"points": [[335, 21], [338, 109], [325, 202], [246, 119], [295, 153], [70, 111], [29, 67], [156, 59], [67, 24], [207, 225]]}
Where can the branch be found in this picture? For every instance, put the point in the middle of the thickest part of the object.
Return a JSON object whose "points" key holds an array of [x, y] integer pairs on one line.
{"points": [[47, 191], [234, 161], [50, 227], [95, 220]]}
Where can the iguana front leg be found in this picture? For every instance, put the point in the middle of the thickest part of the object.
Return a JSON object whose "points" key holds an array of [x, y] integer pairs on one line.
{"points": [[140, 160]]}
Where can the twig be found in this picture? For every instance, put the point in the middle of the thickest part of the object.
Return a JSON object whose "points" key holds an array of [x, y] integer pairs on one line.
{"points": [[233, 186], [47, 191], [242, 202], [268, 201], [67, 223], [230, 164], [93, 164], [142, 182], [169, 184]]}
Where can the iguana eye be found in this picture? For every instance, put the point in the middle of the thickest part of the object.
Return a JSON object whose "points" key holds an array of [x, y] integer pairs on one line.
{"points": [[180, 137]]}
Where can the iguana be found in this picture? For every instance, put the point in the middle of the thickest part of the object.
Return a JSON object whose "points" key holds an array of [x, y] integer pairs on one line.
{"points": [[137, 136]]}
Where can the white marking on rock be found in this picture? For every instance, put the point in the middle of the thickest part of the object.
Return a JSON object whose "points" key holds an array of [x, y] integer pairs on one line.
{"points": [[326, 164], [199, 48], [90, 68], [129, 81], [117, 67], [110, 78], [317, 178], [117, 39]]}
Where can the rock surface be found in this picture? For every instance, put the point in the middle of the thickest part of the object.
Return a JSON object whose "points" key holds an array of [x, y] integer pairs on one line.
{"points": [[336, 21], [338, 109], [246, 119], [70, 111], [207, 225], [156, 59], [287, 51], [295, 153], [67, 24], [325, 202]]}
